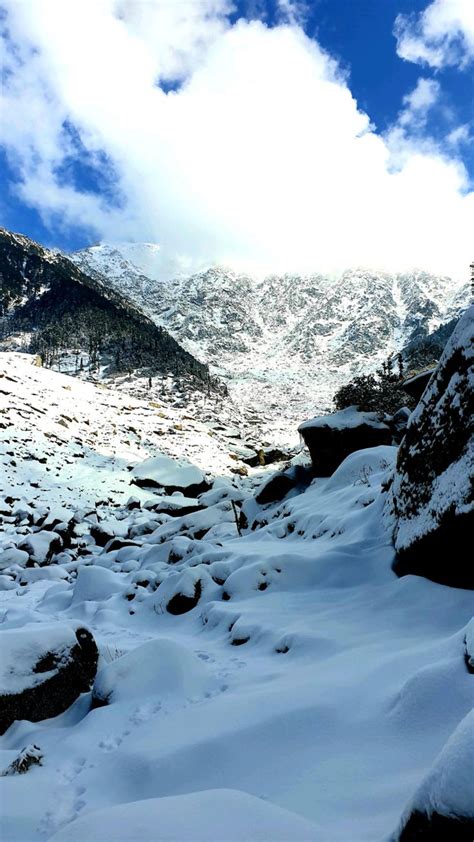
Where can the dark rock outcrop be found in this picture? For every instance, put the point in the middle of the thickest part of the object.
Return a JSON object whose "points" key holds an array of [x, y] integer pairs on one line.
{"points": [[69, 669], [331, 438], [432, 495]]}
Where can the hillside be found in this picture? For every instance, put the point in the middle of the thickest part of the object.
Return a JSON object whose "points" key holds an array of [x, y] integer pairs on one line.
{"points": [[56, 310]]}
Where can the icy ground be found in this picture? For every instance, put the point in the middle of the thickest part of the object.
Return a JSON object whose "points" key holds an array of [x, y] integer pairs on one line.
{"points": [[305, 697]]}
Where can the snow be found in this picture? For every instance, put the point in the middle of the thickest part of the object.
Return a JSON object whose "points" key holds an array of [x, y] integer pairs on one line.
{"points": [[167, 472], [209, 816], [87, 437], [306, 695], [344, 419]]}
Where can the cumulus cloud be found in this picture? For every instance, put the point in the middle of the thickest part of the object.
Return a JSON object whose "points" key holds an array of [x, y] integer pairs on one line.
{"points": [[230, 142], [443, 34]]}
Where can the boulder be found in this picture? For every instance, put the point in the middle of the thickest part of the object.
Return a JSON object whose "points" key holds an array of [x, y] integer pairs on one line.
{"points": [[106, 530], [265, 456], [331, 438], [443, 806], [43, 670], [398, 423], [416, 385], [432, 496], [281, 483], [41, 546], [156, 669], [171, 475], [182, 603], [177, 506]]}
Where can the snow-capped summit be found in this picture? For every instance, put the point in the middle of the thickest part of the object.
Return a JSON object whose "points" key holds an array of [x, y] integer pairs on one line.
{"points": [[124, 260]]}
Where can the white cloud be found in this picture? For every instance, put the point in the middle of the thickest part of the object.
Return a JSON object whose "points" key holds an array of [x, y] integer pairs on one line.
{"points": [[460, 135], [443, 34], [418, 103], [261, 158]]}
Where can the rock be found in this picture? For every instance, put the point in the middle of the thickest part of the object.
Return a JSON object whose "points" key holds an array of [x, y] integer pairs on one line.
{"points": [[415, 386], [443, 806], [398, 423], [331, 438], [264, 456], [241, 471], [28, 757], [41, 546], [118, 544], [177, 506], [170, 474], [181, 604], [43, 671], [103, 532], [432, 496], [280, 484]]}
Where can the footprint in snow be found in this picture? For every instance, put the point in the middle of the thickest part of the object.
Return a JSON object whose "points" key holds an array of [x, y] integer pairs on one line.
{"points": [[143, 713], [110, 743], [67, 804], [204, 656]]}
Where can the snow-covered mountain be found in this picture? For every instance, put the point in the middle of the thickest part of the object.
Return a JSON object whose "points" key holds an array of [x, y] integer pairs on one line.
{"points": [[291, 340]]}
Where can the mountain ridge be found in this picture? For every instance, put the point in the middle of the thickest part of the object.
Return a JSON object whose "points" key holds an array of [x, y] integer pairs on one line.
{"points": [[60, 308], [294, 338]]}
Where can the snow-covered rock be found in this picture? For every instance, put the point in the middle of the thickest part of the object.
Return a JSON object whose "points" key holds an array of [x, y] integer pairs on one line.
{"points": [[331, 438], [41, 546], [433, 488], [443, 806], [43, 670], [170, 474], [158, 669]]}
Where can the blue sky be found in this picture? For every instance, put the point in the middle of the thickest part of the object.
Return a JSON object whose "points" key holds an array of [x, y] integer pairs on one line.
{"points": [[47, 194]]}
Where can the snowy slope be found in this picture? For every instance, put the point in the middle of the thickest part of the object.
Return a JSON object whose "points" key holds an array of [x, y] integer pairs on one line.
{"points": [[71, 442], [291, 340], [309, 686]]}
